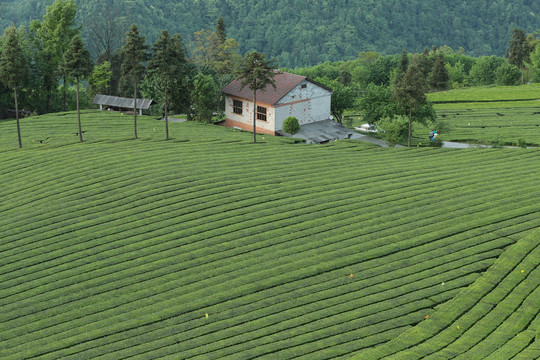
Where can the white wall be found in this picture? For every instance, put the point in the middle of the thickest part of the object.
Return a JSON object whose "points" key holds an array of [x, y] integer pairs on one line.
{"points": [[309, 104]]}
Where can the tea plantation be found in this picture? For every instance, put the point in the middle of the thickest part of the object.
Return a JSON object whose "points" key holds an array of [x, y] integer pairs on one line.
{"points": [[501, 115], [211, 247]]}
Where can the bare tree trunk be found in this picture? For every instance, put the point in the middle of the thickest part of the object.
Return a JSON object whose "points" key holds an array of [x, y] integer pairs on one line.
{"points": [[64, 87], [255, 113], [17, 116], [337, 117], [410, 127], [48, 89], [79, 112], [166, 113], [135, 106]]}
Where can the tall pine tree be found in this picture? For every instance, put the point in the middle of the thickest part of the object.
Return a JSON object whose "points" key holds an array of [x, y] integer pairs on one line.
{"points": [[135, 54], [518, 52], [169, 64], [439, 77], [402, 66], [52, 37], [409, 92], [79, 65], [13, 68]]}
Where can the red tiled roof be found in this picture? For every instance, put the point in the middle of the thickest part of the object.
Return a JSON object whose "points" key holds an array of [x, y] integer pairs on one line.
{"points": [[285, 82]]}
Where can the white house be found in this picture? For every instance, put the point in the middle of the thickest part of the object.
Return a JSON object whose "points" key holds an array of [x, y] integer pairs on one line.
{"points": [[294, 95]]}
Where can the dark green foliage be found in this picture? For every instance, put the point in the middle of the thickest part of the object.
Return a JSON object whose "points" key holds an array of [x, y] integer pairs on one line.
{"points": [[522, 143], [135, 54], [519, 50], [436, 143], [51, 38], [291, 125], [213, 50], [100, 78], [439, 77], [402, 66], [256, 72], [393, 130], [13, 68], [220, 31], [376, 103], [380, 69], [78, 64], [535, 64], [483, 71], [410, 94], [77, 59], [507, 75], [303, 33], [517, 53], [204, 97], [425, 62], [169, 65], [56, 31]]}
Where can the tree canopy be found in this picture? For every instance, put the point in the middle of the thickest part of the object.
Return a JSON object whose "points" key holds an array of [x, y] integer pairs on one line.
{"points": [[135, 54], [409, 93], [78, 64], [304, 33], [13, 68], [168, 64]]}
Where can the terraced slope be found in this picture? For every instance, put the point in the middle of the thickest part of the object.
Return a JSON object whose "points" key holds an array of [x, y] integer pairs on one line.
{"points": [[497, 317], [209, 247], [494, 123], [507, 115]]}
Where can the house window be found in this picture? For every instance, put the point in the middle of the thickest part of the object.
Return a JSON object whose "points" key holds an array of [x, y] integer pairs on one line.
{"points": [[303, 86], [261, 113], [237, 107]]}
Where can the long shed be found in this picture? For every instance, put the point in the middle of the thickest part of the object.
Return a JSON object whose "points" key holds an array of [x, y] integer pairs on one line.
{"points": [[107, 102]]}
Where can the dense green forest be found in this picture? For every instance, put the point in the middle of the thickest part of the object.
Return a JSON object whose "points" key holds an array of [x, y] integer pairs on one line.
{"points": [[309, 32], [42, 65]]}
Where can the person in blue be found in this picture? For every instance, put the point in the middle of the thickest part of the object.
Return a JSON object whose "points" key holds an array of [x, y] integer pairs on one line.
{"points": [[433, 135]]}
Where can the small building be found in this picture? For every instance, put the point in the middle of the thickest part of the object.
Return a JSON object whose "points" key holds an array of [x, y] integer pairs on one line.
{"points": [[294, 95], [115, 103]]}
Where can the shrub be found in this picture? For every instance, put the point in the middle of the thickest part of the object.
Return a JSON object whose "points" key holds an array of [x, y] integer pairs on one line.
{"points": [[437, 143], [497, 142], [508, 75], [291, 125], [483, 71], [394, 130], [521, 142]]}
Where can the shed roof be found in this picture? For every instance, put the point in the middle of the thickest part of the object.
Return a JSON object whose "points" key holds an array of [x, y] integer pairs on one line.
{"points": [[121, 102], [285, 82]]}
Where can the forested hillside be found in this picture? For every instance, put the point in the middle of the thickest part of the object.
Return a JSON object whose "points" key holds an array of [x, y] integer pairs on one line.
{"points": [[307, 32]]}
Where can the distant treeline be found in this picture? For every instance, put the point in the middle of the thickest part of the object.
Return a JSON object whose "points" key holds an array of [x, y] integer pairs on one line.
{"points": [[208, 63], [307, 32]]}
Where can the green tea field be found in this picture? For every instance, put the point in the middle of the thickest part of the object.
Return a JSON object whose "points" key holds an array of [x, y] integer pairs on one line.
{"points": [[208, 246], [502, 115]]}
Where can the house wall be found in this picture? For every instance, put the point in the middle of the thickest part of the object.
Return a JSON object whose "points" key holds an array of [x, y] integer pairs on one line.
{"points": [[245, 120], [308, 104]]}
